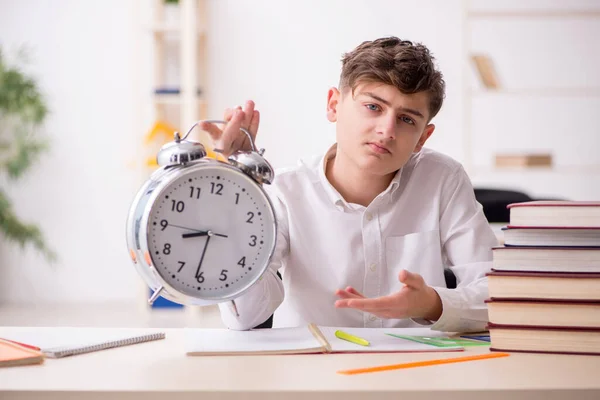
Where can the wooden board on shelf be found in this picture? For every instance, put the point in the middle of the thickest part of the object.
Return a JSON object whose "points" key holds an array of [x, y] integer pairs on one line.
{"points": [[523, 160], [486, 70]]}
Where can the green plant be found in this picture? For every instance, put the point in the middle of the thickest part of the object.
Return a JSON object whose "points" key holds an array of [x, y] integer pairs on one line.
{"points": [[22, 112]]}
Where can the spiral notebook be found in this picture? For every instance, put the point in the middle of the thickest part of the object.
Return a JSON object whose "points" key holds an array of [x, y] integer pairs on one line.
{"points": [[63, 342]]}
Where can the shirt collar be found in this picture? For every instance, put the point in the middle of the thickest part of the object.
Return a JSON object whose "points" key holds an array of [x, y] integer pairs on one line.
{"points": [[335, 197]]}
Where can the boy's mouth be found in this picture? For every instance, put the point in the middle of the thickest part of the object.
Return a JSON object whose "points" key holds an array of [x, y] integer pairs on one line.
{"points": [[377, 148]]}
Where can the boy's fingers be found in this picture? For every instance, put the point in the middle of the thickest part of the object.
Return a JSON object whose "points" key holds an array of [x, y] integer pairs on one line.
{"points": [[351, 303], [228, 114], [354, 291], [212, 129], [345, 294], [414, 281], [248, 114], [253, 128], [232, 132], [365, 304]]}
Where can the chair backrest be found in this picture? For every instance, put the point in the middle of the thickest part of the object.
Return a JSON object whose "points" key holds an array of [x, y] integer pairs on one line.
{"points": [[494, 202]]}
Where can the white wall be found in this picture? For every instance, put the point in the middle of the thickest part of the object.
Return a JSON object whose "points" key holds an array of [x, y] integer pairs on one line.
{"points": [[286, 55], [92, 60], [83, 53]]}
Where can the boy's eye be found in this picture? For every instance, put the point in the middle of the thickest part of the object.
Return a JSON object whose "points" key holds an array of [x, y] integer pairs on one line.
{"points": [[407, 120], [372, 107]]}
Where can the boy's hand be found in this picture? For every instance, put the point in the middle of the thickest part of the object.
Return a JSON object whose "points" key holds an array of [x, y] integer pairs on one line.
{"points": [[414, 300], [230, 138]]}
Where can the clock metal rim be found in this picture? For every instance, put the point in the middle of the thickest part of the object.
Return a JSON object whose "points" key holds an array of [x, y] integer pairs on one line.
{"points": [[178, 172]]}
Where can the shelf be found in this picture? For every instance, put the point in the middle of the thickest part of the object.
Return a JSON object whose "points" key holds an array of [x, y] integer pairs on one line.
{"points": [[172, 91], [563, 169], [539, 92], [535, 14], [173, 99], [162, 28]]}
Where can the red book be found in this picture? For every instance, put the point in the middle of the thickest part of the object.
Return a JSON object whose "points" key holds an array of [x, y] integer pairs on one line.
{"points": [[544, 312], [544, 286], [555, 214], [543, 339], [546, 259], [551, 236]]}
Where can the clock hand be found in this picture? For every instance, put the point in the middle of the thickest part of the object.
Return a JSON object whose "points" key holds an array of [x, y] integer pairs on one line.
{"points": [[196, 234], [203, 252], [184, 227], [201, 233]]}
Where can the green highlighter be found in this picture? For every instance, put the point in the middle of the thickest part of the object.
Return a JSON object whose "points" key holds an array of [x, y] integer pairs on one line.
{"points": [[440, 341]]}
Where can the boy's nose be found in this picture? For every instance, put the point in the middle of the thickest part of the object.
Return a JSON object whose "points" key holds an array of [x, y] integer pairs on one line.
{"points": [[387, 127]]}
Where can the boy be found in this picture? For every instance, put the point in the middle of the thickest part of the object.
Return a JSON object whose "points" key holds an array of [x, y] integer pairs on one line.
{"points": [[366, 231]]}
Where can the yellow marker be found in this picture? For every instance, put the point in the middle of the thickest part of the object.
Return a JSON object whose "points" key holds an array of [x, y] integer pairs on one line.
{"points": [[351, 338]]}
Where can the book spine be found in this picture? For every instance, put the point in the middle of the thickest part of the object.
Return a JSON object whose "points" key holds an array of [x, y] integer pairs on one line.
{"points": [[314, 329]]}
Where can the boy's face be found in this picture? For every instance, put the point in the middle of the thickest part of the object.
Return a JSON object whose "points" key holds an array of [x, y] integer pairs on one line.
{"points": [[379, 127]]}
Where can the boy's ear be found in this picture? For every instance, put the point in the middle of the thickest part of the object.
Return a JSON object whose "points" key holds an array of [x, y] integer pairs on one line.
{"points": [[333, 98], [424, 136]]}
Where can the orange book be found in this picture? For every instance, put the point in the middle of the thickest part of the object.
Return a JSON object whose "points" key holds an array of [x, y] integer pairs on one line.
{"points": [[12, 354]]}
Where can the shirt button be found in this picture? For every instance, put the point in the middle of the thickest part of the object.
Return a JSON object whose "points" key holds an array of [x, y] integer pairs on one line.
{"points": [[372, 318], [369, 216], [373, 267]]}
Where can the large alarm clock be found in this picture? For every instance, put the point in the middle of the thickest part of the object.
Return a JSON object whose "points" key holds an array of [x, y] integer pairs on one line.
{"points": [[201, 231]]}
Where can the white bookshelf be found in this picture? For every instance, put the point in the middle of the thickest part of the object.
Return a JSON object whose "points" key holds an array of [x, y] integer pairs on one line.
{"points": [[179, 40], [558, 81], [177, 59]]}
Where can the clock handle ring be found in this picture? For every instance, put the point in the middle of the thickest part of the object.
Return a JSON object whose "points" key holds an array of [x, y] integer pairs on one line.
{"points": [[215, 121]]}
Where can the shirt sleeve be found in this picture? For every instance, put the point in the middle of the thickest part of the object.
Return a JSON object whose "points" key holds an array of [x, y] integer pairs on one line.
{"points": [[467, 241], [257, 304]]}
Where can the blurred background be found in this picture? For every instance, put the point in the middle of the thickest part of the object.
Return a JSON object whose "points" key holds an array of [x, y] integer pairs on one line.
{"points": [[106, 84]]}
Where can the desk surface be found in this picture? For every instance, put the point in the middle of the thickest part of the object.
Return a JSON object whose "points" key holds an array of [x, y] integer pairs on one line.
{"points": [[160, 369]]}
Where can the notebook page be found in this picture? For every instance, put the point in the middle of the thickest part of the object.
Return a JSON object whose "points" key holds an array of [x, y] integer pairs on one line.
{"points": [[198, 340], [381, 342]]}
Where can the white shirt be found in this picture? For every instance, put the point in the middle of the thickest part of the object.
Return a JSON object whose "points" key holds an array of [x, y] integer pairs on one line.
{"points": [[427, 219]]}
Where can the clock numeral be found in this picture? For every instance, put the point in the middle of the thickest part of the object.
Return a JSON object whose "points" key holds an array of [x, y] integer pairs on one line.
{"points": [[242, 262], [237, 198], [181, 263], [223, 276], [196, 190], [252, 241], [218, 187], [164, 223], [200, 277], [250, 216], [167, 249], [177, 205]]}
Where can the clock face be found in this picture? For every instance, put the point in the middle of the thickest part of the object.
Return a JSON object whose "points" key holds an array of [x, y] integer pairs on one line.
{"points": [[211, 232]]}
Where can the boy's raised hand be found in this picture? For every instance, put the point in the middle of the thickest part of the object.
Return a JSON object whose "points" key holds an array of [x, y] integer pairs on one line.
{"points": [[414, 300], [230, 138]]}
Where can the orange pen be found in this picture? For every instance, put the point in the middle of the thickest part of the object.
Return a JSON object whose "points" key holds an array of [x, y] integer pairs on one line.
{"points": [[421, 363], [28, 346]]}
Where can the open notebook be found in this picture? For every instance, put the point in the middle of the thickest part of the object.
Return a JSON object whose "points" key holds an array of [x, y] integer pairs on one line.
{"points": [[63, 342], [305, 339]]}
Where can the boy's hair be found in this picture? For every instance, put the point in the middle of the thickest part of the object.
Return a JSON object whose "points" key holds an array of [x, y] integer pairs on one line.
{"points": [[408, 67]]}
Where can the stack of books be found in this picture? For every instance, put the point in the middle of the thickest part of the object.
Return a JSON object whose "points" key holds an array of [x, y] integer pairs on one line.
{"points": [[544, 288]]}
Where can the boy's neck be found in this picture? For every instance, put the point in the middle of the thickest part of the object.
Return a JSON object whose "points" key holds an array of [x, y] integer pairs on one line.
{"points": [[354, 184]]}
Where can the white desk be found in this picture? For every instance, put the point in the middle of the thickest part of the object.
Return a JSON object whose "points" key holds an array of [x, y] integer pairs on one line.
{"points": [[161, 370]]}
